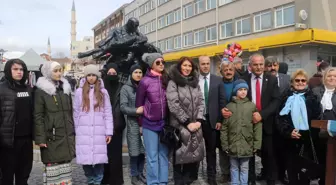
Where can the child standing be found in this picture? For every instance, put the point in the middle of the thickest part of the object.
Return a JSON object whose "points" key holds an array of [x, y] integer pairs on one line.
{"points": [[240, 138], [94, 124]]}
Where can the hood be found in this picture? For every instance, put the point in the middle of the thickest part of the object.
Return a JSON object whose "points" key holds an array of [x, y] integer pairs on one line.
{"points": [[49, 87], [129, 82], [181, 80], [8, 71], [83, 80]]}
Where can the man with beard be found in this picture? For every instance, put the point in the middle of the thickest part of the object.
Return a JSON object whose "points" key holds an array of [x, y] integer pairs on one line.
{"points": [[16, 124], [283, 79]]}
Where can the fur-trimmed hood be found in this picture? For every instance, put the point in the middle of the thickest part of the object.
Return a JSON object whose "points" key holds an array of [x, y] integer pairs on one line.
{"points": [[181, 80], [47, 86]]}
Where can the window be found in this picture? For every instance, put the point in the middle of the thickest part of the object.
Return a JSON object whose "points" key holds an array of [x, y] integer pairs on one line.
{"points": [[226, 30], [147, 28], [223, 2], [161, 45], [211, 33], [199, 6], [211, 4], [170, 18], [153, 26], [263, 21], [188, 39], [161, 22], [188, 11], [177, 15], [152, 4], [142, 29], [169, 44], [285, 16], [243, 26], [87, 47], [160, 2], [199, 37], [177, 42], [143, 9]]}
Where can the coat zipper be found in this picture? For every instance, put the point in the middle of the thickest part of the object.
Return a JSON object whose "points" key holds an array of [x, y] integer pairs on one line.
{"points": [[66, 129], [192, 104], [161, 99]]}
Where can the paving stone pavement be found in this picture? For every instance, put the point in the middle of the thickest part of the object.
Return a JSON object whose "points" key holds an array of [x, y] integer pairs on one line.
{"points": [[80, 179]]}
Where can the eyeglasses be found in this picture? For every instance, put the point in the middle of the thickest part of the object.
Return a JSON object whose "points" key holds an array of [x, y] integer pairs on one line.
{"points": [[160, 62], [300, 80]]}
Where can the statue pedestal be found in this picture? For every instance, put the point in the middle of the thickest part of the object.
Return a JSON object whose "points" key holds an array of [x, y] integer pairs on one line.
{"points": [[331, 153]]}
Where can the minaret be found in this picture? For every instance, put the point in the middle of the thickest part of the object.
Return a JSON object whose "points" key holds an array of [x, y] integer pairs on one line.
{"points": [[49, 47], [73, 22]]}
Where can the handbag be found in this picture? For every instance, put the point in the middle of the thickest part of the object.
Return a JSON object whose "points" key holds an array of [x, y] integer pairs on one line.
{"points": [[170, 136], [310, 168]]}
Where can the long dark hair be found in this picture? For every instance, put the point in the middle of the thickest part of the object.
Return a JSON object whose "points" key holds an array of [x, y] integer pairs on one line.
{"points": [[98, 95], [184, 58]]}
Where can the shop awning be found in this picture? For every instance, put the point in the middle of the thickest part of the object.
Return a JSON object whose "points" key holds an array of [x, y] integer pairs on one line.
{"points": [[273, 41]]}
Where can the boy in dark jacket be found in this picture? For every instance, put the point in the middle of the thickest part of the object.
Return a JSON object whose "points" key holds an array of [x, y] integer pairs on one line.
{"points": [[240, 138]]}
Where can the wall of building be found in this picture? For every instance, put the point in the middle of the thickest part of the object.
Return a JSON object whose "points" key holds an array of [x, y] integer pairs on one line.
{"points": [[81, 46]]}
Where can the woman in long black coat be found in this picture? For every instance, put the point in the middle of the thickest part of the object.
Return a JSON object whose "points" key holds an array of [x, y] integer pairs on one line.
{"points": [[113, 172]]}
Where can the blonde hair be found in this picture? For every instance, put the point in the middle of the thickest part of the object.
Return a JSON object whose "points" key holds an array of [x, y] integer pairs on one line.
{"points": [[297, 73], [326, 72]]}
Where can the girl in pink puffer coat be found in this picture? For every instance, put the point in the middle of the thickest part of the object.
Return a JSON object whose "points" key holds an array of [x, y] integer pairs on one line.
{"points": [[93, 124]]}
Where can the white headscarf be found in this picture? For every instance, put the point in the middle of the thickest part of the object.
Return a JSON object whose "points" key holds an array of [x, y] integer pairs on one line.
{"points": [[48, 68]]}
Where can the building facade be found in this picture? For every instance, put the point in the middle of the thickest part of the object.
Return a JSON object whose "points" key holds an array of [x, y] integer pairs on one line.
{"points": [[296, 31], [114, 20]]}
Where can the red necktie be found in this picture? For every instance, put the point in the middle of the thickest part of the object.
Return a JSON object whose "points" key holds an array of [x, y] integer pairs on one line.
{"points": [[258, 95]]}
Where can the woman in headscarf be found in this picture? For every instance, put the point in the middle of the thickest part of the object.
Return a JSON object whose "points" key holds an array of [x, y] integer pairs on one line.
{"points": [[127, 105], [113, 173], [54, 126]]}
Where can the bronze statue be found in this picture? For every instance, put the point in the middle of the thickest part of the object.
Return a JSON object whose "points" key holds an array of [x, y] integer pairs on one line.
{"points": [[124, 46]]}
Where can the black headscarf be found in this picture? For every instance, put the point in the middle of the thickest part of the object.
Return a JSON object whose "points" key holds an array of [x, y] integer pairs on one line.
{"points": [[8, 72]]}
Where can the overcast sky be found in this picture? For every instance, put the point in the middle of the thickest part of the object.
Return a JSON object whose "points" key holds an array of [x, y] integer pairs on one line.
{"points": [[27, 24]]}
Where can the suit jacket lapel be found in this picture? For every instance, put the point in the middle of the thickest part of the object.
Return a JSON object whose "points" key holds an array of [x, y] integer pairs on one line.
{"points": [[250, 86], [212, 82], [264, 85]]}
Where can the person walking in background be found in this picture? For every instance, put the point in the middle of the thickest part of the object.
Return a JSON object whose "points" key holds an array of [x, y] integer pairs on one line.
{"points": [[283, 68], [54, 127], [238, 67], [93, 123], [186, 106], [151, 100], [134, 142], [16, 124], [241, 139], [316, 80], [214, 98], [113, 171]]}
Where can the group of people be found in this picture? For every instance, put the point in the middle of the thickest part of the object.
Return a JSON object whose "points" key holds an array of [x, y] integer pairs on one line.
{"points": [[243, 114]]}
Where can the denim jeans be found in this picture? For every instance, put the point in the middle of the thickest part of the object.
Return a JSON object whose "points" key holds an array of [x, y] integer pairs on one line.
{"points": [[239, 170], [94, 173], [156, 158], [137, 165]]}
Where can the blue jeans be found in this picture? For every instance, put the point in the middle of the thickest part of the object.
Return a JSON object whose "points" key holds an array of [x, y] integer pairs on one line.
{"points": [[156, 158], [239, 170], [137, 165], [94, 173]]}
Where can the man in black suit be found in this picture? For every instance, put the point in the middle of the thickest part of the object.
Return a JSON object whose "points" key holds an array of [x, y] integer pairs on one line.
{"points": [[283, 79], [214, 98], [264, 92]]}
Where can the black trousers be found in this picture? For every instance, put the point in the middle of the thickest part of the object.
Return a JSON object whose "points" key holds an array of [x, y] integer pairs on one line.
{"points": [[185, 174], [268, 159], [17, 161], [211, 143], [113, 171]]}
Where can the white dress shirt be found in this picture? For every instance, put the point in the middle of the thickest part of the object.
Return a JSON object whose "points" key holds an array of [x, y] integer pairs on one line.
{"points": [[253, 86], [201, 83]]}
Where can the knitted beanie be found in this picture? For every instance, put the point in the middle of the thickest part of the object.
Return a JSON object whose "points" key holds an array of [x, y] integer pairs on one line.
{"points": [[149, 58], [135, 67], [91, 69], [238, 84]]}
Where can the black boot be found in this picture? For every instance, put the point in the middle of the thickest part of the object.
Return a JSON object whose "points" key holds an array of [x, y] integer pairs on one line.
{"points": [[135, 180]]}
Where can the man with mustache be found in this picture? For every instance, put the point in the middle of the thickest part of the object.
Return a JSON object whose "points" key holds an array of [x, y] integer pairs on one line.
{"points": [[283, 79], [228, 71]]}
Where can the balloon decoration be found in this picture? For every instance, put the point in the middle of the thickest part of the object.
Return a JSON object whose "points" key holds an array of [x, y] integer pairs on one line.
{"points": [[233, 50]]}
